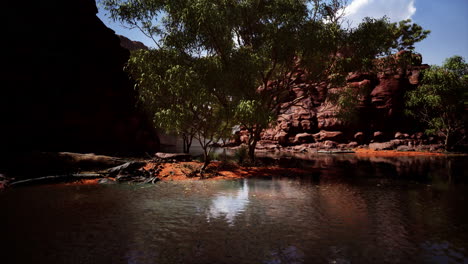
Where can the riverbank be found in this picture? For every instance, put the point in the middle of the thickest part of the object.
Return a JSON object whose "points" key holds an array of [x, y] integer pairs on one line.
{"points": [[97, 169], [394, 153], [190, 171]]}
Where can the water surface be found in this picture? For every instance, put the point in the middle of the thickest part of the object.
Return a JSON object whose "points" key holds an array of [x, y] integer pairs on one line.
{"points": [[348, 210]]}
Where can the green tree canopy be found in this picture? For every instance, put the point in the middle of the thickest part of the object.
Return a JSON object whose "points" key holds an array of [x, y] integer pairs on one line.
{"points": [[440, 100], [257, 45]]}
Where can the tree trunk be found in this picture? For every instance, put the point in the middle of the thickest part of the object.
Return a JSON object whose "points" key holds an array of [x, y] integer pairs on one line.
{"points": [[187, 138], [252, 151], [206, 160], [447, 143], [253, 139], [184, 139]]}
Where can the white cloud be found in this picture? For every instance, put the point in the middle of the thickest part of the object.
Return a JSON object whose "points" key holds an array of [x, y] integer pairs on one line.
{"points": [[396, 10]]}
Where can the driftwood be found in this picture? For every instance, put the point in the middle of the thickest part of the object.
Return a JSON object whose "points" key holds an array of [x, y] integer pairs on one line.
{"points": [[127, 172], [127, 167], [55, 163], [173, 156], [56, 177]]}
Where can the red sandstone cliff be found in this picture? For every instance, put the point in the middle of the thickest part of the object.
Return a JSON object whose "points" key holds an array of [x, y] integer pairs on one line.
{"points": [[313, 119]]}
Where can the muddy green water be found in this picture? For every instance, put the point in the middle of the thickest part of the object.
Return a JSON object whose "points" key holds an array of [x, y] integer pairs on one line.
{"points": [[348, 210]]}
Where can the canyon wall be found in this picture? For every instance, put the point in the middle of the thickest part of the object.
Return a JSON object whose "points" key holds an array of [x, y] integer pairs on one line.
{"points": [[314, 119], [63, 87]]}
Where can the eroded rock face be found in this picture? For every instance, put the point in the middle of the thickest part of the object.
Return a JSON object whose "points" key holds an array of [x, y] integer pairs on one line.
{"points": [[64, 88], [328, 135], [380, 106]]}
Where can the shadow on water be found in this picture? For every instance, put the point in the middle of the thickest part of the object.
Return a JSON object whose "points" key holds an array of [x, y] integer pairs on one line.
{"points": [[349, 209]]}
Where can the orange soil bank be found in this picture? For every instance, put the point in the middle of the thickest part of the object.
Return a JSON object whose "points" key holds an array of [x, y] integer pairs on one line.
{"points": [[393, 153]]}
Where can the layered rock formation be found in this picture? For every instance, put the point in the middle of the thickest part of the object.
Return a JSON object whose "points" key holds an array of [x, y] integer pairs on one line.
{"points": [[64, 88], [314, 118]]}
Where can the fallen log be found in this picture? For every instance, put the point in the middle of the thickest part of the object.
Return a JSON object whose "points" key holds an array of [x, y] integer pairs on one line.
{"points": [[55, 163], [55, 178]]}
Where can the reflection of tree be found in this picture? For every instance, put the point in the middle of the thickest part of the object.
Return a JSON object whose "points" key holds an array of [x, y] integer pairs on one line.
{"points": [[344, 218], [229, 205], [284, 221]]}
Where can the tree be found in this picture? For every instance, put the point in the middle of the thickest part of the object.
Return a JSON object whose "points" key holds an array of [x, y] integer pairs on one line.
{"points": [[162, 88], [377, 46], [258, 45], [181, 92], [440, 101]]}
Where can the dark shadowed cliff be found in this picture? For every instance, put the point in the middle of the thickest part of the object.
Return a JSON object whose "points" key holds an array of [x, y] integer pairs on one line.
{"points": [[63, 87]]}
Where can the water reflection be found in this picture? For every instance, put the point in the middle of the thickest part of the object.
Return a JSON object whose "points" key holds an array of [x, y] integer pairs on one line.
{"points": [[357, 212], [442, 252], [229, 205], [289, 255]]}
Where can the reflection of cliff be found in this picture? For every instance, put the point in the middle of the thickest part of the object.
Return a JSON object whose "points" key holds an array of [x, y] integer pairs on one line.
{"points": [[64, 88], [423, 168]]}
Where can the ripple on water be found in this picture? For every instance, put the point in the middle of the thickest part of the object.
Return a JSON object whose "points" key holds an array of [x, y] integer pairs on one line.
{"points": [[333, 220]]}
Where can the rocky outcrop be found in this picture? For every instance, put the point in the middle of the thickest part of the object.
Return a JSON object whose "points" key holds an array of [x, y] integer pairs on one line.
{"points": [[379, 106], [328, 135], [64, 88], [131, 44]]}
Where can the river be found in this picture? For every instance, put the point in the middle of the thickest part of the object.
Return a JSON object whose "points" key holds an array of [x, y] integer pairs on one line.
{"points": [[348, 210]]}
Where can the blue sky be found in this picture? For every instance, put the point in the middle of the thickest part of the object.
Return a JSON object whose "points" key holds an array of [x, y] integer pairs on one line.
{"points": [[447, 20]]}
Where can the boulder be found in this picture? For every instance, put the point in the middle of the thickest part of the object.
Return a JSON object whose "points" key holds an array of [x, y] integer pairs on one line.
{"points": [[282, 138], [359, 137], [267, 146], [329, 144], [405, 148], [301, 148], [352, 145], [379, 136], [303, 138], [381, 146], [418, 135], [392, 144], [399, 135]]}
